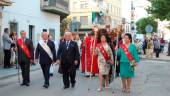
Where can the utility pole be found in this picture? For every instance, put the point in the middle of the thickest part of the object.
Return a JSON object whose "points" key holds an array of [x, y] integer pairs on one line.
{"points": [[133, 19]]}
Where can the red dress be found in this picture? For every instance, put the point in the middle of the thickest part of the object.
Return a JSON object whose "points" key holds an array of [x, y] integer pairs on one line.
{"points": [[86, 59]]}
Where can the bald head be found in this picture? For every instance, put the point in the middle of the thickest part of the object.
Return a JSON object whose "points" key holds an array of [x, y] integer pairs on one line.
{"points": [[68, 36], [45, 35]]}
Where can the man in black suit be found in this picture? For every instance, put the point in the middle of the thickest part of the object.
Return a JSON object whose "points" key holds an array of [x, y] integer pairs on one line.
{"points": [[68, 56], [46, 53], [25, 56]]}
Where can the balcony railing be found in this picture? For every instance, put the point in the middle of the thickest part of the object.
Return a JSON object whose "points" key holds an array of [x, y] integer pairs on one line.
{"points": [[5, 3], [60, 7]]}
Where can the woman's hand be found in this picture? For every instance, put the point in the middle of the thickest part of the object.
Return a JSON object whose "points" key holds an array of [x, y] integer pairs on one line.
{"points": [[134, 65]]}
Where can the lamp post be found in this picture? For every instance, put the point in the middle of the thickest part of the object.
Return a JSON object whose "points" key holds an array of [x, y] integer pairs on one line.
{"points": [[133, 20]]}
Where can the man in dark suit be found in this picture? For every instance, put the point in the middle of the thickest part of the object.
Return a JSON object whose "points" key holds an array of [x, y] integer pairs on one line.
{"points": [[25, 56], [46, 53], [67, 57]]}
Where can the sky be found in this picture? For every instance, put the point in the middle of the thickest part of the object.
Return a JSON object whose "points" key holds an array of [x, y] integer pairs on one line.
{"points": [[140, 11]]}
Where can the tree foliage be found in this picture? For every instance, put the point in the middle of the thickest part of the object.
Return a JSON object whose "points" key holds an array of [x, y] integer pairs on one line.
{"points": [[64, 25], [160, 9], [143, 22]]}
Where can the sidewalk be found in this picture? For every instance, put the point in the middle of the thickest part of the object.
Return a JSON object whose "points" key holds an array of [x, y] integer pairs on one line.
{"points": [[5, 73], [162, 57]]}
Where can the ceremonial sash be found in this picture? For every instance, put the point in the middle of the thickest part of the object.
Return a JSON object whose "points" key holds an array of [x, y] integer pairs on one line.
{"points": [[46, 48], [104, 53], [22, 45], [127, 53]]}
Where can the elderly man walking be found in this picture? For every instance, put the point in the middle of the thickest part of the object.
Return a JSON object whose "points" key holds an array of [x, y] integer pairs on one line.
{"points": [[67, 57]]}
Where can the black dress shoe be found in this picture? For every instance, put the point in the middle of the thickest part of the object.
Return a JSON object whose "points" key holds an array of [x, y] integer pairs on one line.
{"points": [[23, 84], [51, 74], [66, 87], [46, 86], [73, 85], [27, 84]]}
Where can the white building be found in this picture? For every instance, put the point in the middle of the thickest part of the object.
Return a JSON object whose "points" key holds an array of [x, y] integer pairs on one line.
{"points": [[35, 16]]}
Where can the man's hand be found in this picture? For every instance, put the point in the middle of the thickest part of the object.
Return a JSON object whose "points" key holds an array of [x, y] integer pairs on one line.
{"points": [[36, 61], [15, 48], [75, 62], [32, 61], [58, 62]]}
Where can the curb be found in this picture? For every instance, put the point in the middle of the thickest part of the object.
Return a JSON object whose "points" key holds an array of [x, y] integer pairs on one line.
{"points": [[156, 59], [15, 74]]}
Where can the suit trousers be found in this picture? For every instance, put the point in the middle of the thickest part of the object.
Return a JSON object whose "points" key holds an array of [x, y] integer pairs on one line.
{"points": [[25, 68], [46, 72], [69, 76], [7, 57]]}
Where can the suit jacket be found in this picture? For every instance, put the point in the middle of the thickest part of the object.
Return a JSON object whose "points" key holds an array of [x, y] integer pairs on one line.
{"points": [[6, 41], [68, 56], [21, 55], [42, 54]]}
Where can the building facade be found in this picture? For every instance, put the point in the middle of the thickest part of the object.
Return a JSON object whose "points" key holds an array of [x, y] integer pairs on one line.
{"points": [[35, 16], [95, 12]]}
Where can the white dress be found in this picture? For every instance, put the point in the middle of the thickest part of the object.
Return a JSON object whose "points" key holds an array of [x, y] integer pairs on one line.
{"points": [[104, 67]]}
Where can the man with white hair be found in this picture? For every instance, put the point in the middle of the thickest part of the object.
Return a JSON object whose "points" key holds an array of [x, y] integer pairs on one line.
{"points": [[67, 57], [46, 53]]}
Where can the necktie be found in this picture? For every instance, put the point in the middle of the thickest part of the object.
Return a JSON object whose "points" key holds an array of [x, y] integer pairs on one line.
{"points": [[67, 44]]}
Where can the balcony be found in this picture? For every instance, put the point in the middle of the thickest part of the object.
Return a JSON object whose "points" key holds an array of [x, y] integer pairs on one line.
{"points": [[5, 3], [60, 7]]}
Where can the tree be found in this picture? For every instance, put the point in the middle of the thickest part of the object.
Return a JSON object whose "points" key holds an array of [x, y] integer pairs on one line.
{"points": [[143, 22], [64, 25], [159, 9]]}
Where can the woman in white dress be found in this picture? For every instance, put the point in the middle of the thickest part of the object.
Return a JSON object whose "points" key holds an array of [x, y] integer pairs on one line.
{"points": [[105, 60], [79, 42]]}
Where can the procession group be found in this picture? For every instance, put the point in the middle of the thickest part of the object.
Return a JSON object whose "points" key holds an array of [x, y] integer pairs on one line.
{"points": [[105, 53]]}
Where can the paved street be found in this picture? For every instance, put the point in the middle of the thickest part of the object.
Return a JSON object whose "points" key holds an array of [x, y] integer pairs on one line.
{"points": [[151, 79]]}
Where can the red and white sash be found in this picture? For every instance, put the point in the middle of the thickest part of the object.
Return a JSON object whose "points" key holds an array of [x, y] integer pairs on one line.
{"points": [[127, 53], [22, 45], [104, 53]]}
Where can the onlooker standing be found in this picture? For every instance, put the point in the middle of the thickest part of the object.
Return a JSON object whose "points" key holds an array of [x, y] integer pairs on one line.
{"points": [[78, 41], [13, 46], [144, 45], [156, 44], [162, 41], [150, 48], [7, 41], [168, 48], [138, 46]]}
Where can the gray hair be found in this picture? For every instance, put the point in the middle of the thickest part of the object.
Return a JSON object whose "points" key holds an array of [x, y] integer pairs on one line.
{"points": [[67, 33]]}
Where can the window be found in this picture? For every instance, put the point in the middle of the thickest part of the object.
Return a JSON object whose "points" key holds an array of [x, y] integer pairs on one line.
{"points": [[84, 4], [74, 19], [31, 32], [84, 20], [75, 5], [52, 33]]}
